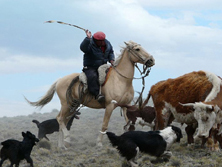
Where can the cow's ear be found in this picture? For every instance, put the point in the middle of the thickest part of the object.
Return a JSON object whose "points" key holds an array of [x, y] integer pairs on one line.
{"points": [[191, 108], [210, 109], [217, 110]]}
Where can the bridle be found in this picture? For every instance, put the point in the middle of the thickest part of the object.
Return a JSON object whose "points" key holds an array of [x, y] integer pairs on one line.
{"points": [[146, 69], [137, 55]]}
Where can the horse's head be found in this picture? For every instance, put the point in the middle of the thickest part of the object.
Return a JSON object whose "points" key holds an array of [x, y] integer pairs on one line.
{"points": [[139, 55]]}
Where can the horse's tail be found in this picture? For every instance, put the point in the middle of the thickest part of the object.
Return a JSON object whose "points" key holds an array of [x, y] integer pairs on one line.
{"points": [[46, 98]]}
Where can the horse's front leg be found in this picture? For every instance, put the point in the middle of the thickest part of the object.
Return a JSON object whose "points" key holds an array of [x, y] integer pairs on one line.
{"points": [[109, 109]]}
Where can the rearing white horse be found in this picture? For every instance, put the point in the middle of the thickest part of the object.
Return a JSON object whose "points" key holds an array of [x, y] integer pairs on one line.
{"points": [[118, 87]]}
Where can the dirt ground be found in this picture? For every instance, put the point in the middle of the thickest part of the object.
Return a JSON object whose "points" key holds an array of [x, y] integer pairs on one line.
{"points": [[84, 152]]}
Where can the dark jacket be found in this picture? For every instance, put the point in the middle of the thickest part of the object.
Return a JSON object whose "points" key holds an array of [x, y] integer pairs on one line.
{"points": [[93, 55]]}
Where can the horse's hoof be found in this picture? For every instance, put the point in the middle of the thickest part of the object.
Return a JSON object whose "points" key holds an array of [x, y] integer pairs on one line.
{"points": [[65, 148], [66, 145], [190, 145], [217, 150], [67, 139], [99, 144]]}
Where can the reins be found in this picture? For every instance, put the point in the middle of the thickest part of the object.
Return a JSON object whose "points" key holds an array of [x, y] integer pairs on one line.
{"points": [[146, 72]]}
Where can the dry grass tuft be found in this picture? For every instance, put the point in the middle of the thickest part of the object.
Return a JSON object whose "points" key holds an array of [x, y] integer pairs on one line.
{"points": [[175, 162], [43, 152], [44, 144]]}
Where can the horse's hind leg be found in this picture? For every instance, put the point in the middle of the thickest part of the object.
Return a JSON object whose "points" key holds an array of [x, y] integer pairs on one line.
{"points": [[64, 135]]}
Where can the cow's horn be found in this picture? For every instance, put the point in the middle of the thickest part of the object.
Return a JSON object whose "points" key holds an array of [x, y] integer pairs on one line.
{"points": [[187, 104]]}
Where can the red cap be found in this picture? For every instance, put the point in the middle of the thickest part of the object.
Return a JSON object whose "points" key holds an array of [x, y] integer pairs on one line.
{"points": [[99, 35]]}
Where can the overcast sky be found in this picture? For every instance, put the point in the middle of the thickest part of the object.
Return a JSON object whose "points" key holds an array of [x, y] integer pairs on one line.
{"points": [[183, 36]]}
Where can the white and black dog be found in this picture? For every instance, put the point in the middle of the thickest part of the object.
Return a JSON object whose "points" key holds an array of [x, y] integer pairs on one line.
{"points": [[154, 143]]}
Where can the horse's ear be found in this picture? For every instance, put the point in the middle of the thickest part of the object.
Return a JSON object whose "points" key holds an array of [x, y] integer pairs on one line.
{"points": [[126, 43], [129, 45]]}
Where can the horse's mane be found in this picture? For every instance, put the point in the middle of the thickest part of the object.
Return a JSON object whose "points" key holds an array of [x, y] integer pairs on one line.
{"points": [[130, 44]]}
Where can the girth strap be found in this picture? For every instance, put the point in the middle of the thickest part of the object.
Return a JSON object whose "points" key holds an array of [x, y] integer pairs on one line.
{"points": [[107, 75]]}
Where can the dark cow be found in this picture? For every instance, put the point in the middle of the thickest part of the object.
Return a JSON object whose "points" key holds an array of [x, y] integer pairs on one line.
{"points": [[214, 142], [194, 98], [138, 114]]}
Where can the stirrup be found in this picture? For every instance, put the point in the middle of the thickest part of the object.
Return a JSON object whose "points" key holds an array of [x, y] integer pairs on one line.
{"points": [[100, 98]]}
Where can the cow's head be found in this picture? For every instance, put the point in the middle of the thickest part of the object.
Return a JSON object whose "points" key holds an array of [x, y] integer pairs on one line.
{"points": [[205, 115]]}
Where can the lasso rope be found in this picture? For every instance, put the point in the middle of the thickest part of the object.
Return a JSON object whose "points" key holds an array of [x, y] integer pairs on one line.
{"points": [[60, 22]]}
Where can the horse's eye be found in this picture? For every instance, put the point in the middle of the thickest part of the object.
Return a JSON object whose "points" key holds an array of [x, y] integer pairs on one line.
{"points": [[137, 49]]}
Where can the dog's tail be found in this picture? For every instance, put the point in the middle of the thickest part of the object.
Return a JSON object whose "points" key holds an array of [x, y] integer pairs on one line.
{"points": [[114, 140], [37, 122]]}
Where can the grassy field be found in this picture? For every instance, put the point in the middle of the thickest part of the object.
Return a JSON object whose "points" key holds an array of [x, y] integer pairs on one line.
{"points": [[84, 153]]}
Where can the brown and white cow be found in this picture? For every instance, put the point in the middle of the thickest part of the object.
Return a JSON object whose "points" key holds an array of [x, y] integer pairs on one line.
{"points": [[194, 98], [138, 115]]}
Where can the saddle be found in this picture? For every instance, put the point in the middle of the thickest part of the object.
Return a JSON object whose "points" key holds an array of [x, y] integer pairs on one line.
{"points": [[103, 71]]}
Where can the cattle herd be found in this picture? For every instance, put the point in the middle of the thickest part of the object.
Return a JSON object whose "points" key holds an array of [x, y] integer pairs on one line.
{"points": [[194, 99]]}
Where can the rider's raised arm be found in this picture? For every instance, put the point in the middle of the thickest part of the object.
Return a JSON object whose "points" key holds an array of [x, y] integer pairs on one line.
{"points": [[85, 45]]}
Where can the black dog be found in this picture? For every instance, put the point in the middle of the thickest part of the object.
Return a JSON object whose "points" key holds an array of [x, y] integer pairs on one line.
{"points": [[16, 151], [154, 143], [50, 126]]}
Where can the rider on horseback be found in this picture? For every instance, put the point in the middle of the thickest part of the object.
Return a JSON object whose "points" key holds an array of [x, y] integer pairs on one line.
{"points": [[97, 51]]}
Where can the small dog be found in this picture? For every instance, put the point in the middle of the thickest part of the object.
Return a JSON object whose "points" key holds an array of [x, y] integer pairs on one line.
{"points": [[50, 126], [154, 143], [16, 151]]}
